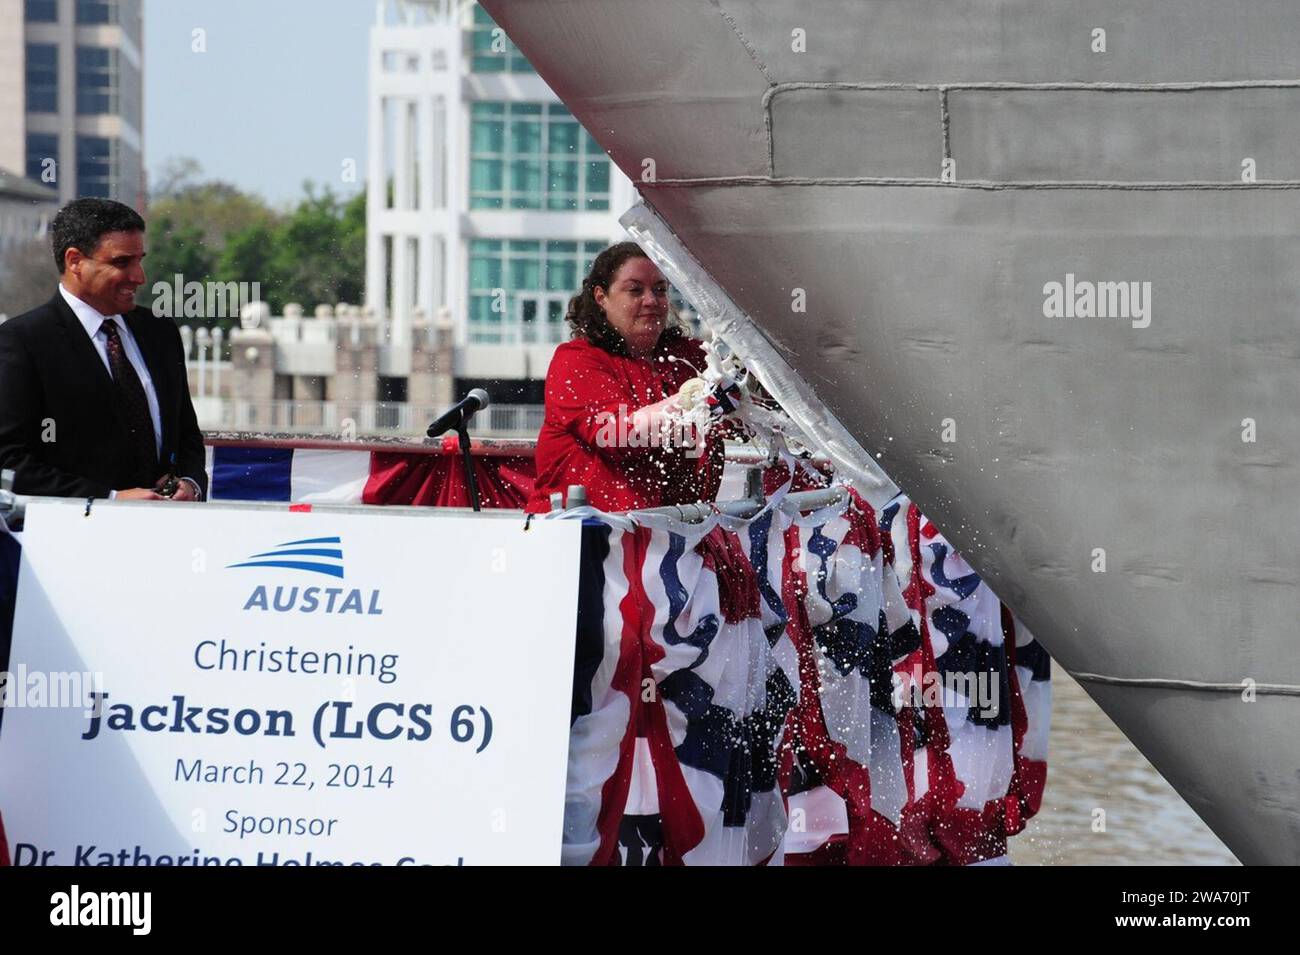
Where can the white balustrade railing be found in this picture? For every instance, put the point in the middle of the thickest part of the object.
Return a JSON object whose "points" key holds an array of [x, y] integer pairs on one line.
{"points": [[357, 417], [203, 360]]}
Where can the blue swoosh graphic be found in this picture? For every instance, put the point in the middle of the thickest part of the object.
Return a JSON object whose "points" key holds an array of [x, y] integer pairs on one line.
{"points": [[303, 552], [330, 569]]}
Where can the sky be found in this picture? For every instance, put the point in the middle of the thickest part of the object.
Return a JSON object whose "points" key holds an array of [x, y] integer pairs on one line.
{"points": [[278, 97]]}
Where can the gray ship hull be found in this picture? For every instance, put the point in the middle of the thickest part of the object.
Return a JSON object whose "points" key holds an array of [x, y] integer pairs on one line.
{"points": [[919, 175]]}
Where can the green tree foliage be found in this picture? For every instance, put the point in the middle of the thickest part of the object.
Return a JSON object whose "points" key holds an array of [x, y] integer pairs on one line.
{"points": [[176, 247], [318, 252], [215, 209], [312, 253]]}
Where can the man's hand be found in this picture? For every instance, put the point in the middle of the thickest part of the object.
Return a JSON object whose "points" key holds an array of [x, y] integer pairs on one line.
{"points": [[138, 494], [185, 491]]}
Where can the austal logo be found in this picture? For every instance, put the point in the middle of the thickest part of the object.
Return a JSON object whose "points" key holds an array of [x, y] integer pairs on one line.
{"points": [[314, 555]]}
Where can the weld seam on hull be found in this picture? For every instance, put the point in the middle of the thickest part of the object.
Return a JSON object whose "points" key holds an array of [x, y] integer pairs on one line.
{"points": [[1269, 689], [749, 47], [1187, 87], [762, 69], [945, 120], [1190, 185], [945, 125]]}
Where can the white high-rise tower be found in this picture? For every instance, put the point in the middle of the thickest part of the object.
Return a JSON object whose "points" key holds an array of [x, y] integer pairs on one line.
{"points": [[486, 202]]}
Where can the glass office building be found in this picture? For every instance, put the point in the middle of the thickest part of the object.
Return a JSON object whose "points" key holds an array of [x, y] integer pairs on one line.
{"points": [[78, 129], [491, 201]]}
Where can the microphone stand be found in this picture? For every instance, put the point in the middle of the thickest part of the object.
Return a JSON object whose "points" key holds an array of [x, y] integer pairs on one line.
{"points": [[461, 412], [462, 435]]}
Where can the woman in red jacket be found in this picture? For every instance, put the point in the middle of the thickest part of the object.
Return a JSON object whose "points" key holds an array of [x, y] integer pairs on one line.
{"points": [[612, 391]]}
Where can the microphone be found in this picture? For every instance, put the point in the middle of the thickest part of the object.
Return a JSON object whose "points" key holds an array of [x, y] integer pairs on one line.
{"points": [[459, 414]]}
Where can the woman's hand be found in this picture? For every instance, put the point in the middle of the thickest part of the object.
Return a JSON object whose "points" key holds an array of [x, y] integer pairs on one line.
{"points": [[663, 424], [658, 418], [722, 399], [691, 393]]}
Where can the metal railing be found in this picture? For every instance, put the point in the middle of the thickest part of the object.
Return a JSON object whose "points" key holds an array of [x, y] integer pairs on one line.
{"points": [[13, 506], [746, 507], [351, 419]]}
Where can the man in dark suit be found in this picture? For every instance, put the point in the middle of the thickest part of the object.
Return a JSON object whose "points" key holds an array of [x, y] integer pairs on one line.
{"points": [[94, 399]]}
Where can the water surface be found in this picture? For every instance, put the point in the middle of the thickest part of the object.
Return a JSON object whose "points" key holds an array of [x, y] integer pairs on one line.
{"points": [[1092, 765]]}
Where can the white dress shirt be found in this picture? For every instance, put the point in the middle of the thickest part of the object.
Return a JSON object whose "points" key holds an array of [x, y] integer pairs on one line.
{"points": [[91, 320]]}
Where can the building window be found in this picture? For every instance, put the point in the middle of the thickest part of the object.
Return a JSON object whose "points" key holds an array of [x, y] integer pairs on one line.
{"points": [[97, 80], [42, 155], [42, 11], [129, 185], [519, 290], [491, 50], [42, 78], [128, 91], [121, 13], [96, 11], [107, 83], [98, 159], [534, 156]]}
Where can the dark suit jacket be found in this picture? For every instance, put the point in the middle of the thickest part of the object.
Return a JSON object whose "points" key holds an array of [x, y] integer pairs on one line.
{"points": [[50, 371]]}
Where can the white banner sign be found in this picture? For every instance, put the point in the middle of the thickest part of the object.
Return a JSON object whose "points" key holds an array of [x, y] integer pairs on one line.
{"points": [[209, 685]]}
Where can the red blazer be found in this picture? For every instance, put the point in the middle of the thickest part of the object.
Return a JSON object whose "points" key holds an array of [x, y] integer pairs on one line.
{"points": [[588, 393]]}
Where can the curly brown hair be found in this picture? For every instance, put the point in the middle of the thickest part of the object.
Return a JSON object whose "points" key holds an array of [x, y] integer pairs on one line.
{"points": [[587, 319]]}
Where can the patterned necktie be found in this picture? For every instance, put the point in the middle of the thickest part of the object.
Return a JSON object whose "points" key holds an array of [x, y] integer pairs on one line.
{"points": [[134, 406]]}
